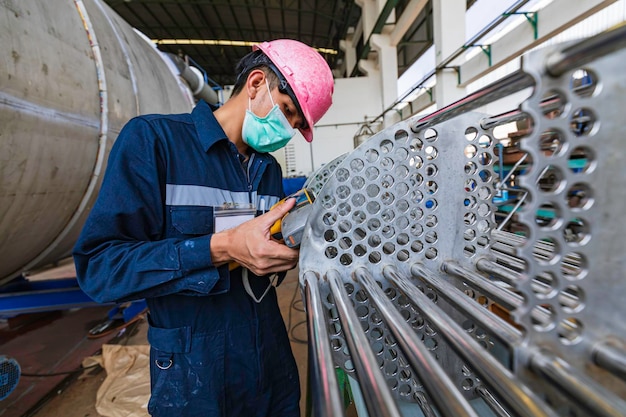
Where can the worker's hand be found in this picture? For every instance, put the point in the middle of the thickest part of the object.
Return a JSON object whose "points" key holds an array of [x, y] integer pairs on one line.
{"points": [[250, 244]]}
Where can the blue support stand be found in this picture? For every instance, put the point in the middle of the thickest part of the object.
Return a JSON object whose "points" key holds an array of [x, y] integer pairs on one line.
{"points": [[21, 296]]}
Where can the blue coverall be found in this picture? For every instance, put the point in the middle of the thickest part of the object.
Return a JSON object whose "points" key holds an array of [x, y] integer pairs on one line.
{"points": [[214, 351]]}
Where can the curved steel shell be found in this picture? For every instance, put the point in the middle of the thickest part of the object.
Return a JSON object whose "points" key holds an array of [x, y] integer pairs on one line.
{"points": [[74, 72]]}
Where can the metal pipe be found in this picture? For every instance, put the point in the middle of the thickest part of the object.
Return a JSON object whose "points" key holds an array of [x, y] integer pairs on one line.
{"points": [[378, 399], [547, 105], [195, 79], [489, 321], [511, 262], [504, 274], [326, 397], [507, 241], [504, 235], [424, 405], [506, 299], [491, 401], [508, 117], [511, 391], [507, 248], [579, 388], [508, 85], [440, 388], [611, 357], [585, 51]]}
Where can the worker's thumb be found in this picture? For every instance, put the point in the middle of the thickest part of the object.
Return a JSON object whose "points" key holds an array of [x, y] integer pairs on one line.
{"points": [[279, 211]]}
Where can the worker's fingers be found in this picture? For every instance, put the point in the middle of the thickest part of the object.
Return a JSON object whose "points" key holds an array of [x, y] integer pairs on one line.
{"points": [[277, 212], [264, 257], [251, 245], [262, 265]]}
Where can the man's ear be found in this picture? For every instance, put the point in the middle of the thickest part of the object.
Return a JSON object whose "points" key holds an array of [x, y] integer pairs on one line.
{"points": [[256, 80]]}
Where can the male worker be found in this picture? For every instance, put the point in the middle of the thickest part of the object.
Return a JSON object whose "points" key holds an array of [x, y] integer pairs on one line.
{"points": [[173, 214]]}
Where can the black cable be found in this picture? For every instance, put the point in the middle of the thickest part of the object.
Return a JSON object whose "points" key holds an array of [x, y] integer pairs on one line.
{"points": [[294, 338], [292, 306], [298, 308]]}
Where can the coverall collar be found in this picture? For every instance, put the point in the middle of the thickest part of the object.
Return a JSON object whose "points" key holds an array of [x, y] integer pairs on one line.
{"points": [[209, 130]]}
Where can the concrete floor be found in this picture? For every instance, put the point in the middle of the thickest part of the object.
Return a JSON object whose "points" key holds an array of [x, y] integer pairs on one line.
{"points": [[77, 398]]}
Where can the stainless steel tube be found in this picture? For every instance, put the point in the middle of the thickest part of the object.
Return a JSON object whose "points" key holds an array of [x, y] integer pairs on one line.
{"points": [[422, 401], [511, 391], [491, 401], [508, 117], [501, 88], [504, 274], [326, 398], [440, 388], [611, 358], [505, 298], [586, 51], [579, 388], [547, 105], [489, 321], [377, 396], [511, 261]]}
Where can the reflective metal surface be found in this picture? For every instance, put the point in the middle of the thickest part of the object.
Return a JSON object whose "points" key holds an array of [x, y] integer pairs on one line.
{"points": [[72, 74], [501, 255]]}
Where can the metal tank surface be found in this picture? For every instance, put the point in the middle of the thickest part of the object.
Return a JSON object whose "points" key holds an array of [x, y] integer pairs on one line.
{"points": [[72, 74]]}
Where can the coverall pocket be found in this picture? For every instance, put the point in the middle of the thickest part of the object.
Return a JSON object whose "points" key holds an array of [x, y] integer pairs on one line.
{"points": [[192, 221], [186, 372]]}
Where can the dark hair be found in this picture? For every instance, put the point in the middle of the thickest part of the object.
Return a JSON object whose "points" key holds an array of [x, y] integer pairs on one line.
{"points": [[258, 60], [251, 61]]}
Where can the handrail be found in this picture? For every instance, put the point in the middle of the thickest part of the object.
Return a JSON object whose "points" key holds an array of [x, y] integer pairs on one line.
{"points": [[492, 25]]}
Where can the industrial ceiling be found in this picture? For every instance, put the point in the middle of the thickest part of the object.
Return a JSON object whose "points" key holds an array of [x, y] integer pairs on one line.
{"points": [[197, 25], [215, 34]]}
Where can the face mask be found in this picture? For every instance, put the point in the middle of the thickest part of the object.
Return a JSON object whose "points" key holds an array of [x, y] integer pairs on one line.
{"points": [[269, 133]]}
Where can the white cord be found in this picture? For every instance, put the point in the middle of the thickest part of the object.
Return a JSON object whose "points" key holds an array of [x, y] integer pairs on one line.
{"points": [[246, 285]]}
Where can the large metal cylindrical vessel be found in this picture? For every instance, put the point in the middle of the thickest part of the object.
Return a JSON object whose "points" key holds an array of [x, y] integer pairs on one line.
{"points": [[72, 74]]}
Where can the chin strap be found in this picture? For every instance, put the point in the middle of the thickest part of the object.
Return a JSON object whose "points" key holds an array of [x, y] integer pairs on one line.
{"points": [[246, 285]]}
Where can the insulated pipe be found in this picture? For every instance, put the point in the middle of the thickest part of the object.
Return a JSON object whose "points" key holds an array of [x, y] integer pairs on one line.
{"points": [[61, 109], [378, 399], [324, 387], [199, 88], [440, 388]]}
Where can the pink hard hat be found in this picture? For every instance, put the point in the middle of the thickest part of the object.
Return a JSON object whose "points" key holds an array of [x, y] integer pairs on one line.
{"points": [[308, 75]]}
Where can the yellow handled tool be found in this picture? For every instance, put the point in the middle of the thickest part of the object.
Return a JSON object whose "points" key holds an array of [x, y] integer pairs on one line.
{"points": [[290, 228]]}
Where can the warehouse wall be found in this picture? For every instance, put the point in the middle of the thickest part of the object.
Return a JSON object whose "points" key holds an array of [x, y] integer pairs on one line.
{"points": [[354, 100]]}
